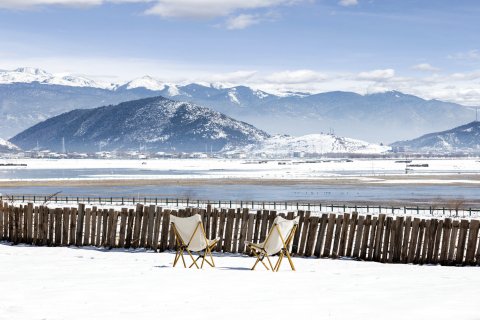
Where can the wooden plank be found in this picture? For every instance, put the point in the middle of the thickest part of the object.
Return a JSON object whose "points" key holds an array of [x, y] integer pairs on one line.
{"points": [[144, 230], [406, 239], [236, 231], [312, 233], [426, 239], [6, 222], [336, 240], [65, 225], [386, 240], [221, 230], [113, 228], [447, 230], [105, 228], [321, 235], [150, 226], [214, 219], [296, 237], [304, 235], [88, 227], [36, 216], [418, 250], [462, 237], [250, 229], [230, 217], [156, 228], [171, 238], [436, 247], [40, 226], [58, 226], [14, 226], [370, 229], [263, 227], [51, 227], [344, 234], [209, 221], [379, 238], [431, 240], [329, 236], [399, 239], [453, 241], [243, 231], [80, 221], [358, 237], [98, 233], [29, 219], [129, 228], [123, 227], [165, 230], [472, 242], [93, 225], [271, 217], [413, 240], [351, 234], [137, 226]]}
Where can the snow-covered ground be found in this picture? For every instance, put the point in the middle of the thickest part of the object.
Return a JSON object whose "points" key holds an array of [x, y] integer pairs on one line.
{"points": [[247, 169], [69, 283]]}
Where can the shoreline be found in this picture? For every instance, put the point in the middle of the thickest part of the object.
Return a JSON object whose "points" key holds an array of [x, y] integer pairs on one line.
{"points": [[355, 181]]}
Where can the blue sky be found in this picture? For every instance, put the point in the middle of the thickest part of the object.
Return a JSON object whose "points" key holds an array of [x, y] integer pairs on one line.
{"points": [[429, 48]]}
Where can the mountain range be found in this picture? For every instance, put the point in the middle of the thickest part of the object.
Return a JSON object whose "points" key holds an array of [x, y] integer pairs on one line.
{"points": [[462, 138], [28, 96], [151, 124]]}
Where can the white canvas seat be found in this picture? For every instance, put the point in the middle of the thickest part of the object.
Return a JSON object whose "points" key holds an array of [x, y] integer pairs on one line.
{"points": [[190, 237], [278, 240]]}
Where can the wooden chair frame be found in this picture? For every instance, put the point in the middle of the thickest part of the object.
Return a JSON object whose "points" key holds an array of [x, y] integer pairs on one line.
{"points": [[260, 253], [182, 247]]}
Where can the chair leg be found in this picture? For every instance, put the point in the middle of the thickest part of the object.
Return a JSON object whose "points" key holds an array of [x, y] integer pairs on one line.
{"points": [[270, 263], [193, 259], [259, 259], [177, 256], [290, 259], [279, 261]]}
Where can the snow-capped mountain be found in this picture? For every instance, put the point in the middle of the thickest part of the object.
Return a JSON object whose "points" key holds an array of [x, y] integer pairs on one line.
{"points": [[462, 138], [6, 146], [29, 75], [28, 96], [283, 145], [154, 124]]}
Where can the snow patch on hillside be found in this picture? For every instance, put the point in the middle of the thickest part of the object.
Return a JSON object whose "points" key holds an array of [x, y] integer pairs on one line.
{"points": [[282, 145]]}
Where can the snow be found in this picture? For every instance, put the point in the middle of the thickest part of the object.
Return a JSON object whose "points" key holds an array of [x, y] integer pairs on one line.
{"points": [[89, 283], [8, 145], [281, 145], [29, 75], [289, 169], [232, 94], [146, 82]]}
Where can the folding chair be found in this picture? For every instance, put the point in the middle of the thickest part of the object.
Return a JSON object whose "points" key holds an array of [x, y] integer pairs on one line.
{"points": [[190, 237], [278, 240]]}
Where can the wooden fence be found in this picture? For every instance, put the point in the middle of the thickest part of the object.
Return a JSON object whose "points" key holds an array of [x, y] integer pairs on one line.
{"points": [[379, 238]]}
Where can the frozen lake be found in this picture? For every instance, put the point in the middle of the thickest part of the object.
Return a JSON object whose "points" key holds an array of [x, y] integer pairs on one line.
{"points": [[325, 181]]}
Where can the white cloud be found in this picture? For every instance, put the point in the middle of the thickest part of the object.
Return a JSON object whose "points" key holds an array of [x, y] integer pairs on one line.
{"points": [[233, 77], [296, 76], [347, 3], [209, 8], [25, 4], [242, 21], [376, 75], [469, 55], [425, 67]]}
